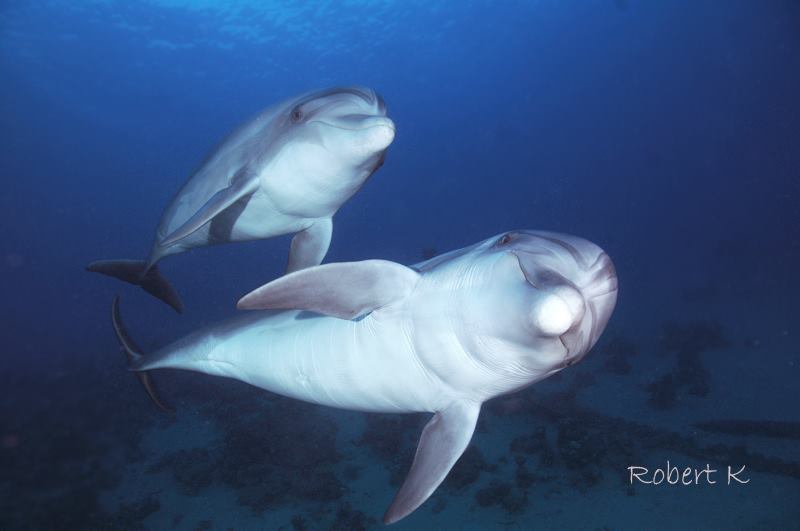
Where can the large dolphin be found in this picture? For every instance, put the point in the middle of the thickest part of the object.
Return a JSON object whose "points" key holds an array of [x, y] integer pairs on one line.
{"points": [[443, 336], [286, 171]]}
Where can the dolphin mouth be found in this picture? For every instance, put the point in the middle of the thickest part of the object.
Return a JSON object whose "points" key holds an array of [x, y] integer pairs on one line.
{"points": [[359, 123], [568, 359]]}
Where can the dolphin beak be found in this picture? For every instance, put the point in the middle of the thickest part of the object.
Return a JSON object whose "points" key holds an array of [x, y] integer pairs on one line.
{"points": [[378, 121], [369, 134], [600, 294], [359, 122]]}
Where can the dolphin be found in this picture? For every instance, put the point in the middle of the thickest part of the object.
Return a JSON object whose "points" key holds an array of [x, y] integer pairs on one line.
{"points": [[443, 336], [286, 171]]}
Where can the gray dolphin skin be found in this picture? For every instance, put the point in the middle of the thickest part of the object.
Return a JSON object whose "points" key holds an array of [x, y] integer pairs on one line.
{"points": [[443, 337], [286, 171]]}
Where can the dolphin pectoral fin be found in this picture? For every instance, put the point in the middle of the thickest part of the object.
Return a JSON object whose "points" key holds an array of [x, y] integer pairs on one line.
{"points": [[344, 290], [310, 246], [134, 356], [243, 184], [443, 440], [140, 273]]}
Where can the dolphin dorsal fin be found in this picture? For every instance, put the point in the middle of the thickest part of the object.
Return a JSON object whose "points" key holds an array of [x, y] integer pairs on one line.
{"points": [[344, 290], [443, 440]]}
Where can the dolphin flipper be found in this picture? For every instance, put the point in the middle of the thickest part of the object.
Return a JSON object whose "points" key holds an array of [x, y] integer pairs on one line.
{"points": [[134, 354], [344, 290], [443, 440], [243, 184], [138, 273], [310, 246]]}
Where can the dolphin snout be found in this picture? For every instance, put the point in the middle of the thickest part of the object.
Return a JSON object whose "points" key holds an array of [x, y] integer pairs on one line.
{"points": [[360, 122], [379, 134], [600, 295]]}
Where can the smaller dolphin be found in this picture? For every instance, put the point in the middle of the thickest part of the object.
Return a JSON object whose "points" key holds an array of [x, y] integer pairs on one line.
{"points": [[443, 336], [286, 171]]}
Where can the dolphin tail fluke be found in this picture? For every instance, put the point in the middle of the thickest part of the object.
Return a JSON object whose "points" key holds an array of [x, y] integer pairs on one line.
{"points": [[142, 274], [135, 357]]}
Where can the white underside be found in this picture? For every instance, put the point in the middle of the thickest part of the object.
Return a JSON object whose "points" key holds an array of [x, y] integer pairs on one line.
{"points": [[258, 219], [365, 365]]}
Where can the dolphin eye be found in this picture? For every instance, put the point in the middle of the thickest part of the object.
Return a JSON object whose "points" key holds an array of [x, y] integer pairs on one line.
{"points": [[297, 115], [504, 240]]}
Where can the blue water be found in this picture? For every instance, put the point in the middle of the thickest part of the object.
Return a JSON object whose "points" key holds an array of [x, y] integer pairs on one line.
{"points": [[666, 132]]}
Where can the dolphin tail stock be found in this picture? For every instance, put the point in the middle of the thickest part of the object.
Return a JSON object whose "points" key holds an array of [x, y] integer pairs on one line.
{"points": [[142, 274], [135, 356]]}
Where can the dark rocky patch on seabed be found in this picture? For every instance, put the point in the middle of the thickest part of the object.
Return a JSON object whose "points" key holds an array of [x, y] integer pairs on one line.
{"points": [[284, 453], [688, 341], [618, 352], [392, 439]]}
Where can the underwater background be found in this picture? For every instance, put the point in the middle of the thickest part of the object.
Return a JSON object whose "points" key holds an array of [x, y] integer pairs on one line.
{"points": [[666, 132]]}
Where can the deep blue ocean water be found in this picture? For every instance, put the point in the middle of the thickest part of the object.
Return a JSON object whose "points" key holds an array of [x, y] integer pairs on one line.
{"points": [[666, 132]]}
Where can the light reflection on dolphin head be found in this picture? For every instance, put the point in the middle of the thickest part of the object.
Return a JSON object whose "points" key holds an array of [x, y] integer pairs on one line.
{"points": [[349, 122]]}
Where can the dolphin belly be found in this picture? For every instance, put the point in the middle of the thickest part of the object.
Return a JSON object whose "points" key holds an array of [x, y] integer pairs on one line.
{"points": [[252, 218], [360, 365], [364, 365]]}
